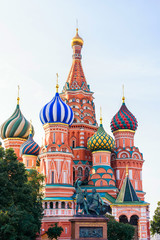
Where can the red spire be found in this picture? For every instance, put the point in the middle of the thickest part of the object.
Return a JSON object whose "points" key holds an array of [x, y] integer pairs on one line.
{"points": [[76, 79]]}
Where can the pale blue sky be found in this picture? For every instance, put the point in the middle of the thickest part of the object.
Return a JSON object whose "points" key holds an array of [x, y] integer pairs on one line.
{"points": [[121, 46]]}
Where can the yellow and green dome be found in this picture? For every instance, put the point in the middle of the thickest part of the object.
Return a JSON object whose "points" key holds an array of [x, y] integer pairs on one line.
{"points": [[101, 141]]}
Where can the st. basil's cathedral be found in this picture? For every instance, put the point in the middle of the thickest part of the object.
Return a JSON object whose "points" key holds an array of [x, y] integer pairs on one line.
{"points": [[76, 146]]}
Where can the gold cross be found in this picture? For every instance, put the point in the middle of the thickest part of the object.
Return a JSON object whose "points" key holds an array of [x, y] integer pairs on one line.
{"points": [[100, 115], [123, 98], [18, 95], [57, 86]]}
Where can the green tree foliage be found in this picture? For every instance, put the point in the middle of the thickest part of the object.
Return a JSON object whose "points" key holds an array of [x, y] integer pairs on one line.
{"points": [[155, 223], [20, 199], [54, 232], [119, 231]]}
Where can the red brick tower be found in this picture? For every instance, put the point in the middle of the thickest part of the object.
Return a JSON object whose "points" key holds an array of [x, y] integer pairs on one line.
{"points": [[123, 126], [76, 93]]}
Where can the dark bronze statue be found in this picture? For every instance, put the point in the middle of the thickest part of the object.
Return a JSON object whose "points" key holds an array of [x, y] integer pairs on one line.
{"points": [[90, 204]]}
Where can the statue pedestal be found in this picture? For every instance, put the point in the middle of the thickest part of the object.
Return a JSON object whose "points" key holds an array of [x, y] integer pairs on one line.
{"points": [[89, 227]]}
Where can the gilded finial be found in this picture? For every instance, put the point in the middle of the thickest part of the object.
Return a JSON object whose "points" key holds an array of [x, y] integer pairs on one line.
{"points": [[77, 31], [126, 170], [76, 25], [18, 96], [123, 98], [30, 129], [57, 86], [100, 115]]}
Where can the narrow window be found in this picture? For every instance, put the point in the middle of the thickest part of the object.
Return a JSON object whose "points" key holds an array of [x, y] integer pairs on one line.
{"points": [[117, 174], [64, 177], [69, 205], [123, 143], [52, 177], [117, 143], [130, 143], [86, 172], [107, 159], [56, 204], [101, 183], [65, 230], [63, 205], [73, 175], [136, 185], [54, 137], [27, 162], [45, 205], [130, 174], [73, 144], [51, 204], [141, 175], [100, 160], [80, 171]]}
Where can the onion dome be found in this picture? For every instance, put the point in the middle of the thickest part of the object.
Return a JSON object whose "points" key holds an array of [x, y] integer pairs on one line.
{"points": [[101, 141], [16, 126], [124, 119], [56, 111], [30, 147], [77, 40]]}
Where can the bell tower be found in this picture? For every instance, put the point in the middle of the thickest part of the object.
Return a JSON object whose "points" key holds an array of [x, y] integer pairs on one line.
{"points": [[76, 93]]}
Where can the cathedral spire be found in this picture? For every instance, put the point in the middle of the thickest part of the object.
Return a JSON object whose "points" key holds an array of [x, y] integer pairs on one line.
{"points": [[76, 79]]}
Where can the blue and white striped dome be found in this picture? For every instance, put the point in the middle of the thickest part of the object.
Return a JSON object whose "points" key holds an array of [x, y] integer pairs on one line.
{"points": [[56, 111]]}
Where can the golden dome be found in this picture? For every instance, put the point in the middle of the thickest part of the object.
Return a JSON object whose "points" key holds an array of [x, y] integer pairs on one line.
{"points": [[77, 40]]}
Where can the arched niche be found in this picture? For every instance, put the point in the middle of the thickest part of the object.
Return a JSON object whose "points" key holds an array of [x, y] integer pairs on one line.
{"points": [[123, 219]]}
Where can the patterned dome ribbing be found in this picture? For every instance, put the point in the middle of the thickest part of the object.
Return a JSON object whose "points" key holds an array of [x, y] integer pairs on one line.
{"points": [[30, 147], [56, 111], [16, 126], [124, 119], [101, 141]]}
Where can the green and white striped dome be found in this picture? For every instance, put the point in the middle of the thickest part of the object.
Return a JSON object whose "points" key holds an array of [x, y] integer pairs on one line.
{"points": [[16, 126]]}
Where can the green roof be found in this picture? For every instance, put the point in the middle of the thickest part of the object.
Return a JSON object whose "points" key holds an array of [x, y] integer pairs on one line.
{"points": [[110, 198], [127, 192]]}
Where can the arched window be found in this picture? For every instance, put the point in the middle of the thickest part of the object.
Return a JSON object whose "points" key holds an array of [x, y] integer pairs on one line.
{"points": [[86, 172], [134, 220], [51, 204], [56, 204], [123, 219], [69, 205], [73, 143], [80, 171], [45, 205], [62, 204], [101, 183]]}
